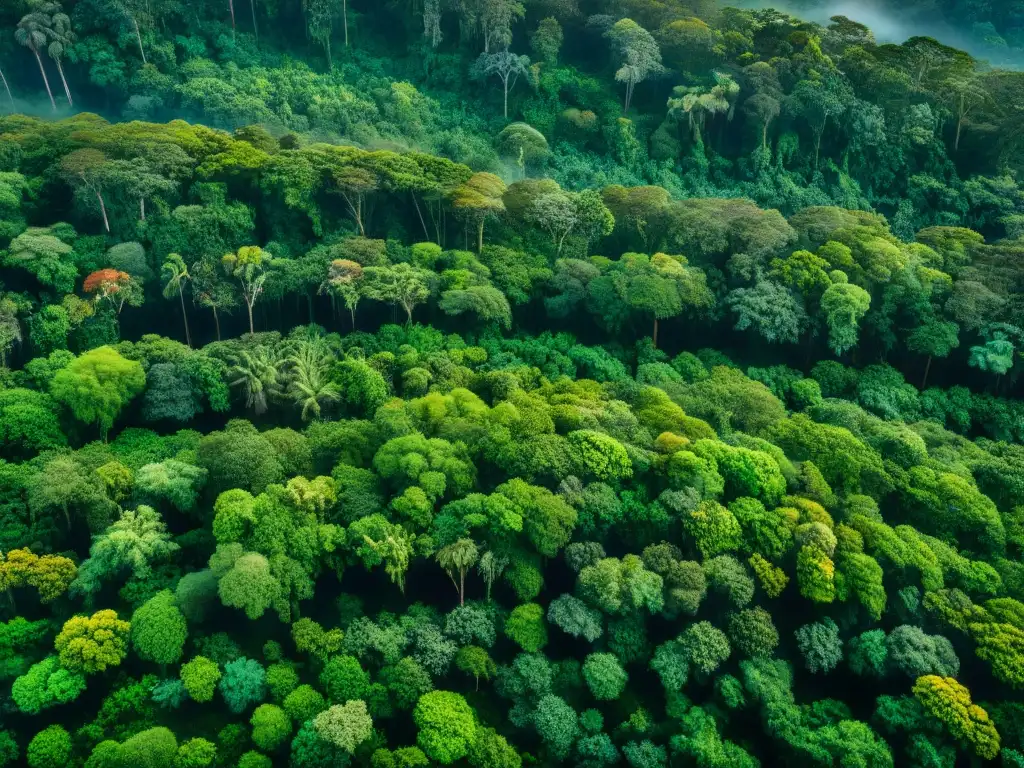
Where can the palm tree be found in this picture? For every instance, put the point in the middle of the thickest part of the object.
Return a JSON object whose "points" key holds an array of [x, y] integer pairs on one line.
{"points": [[460, 557], [61, 36], [176, 273], [33, 32], [257, 373], [310, 386]]}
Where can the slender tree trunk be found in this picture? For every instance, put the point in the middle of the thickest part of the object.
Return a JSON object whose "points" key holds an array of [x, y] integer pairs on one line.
{"points": [[359, 216], [655, 332], [959, 129], [142, 207], [480, 237], [138, 37], [8, 89], [103, 210], [506, 97], [184, 316], [255, 26], [419, 213], [46, 80], [764, 135], [344, 18], [927, 369], [327, 47], [252, 328], [477, 681], [462, 587], [231, 6], [67, 91]]}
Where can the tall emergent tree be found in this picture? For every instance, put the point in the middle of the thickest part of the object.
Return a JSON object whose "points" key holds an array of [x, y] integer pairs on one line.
{"points": [[246, 266]]}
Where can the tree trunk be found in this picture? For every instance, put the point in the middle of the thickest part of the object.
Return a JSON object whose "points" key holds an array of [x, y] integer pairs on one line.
{"points": [[138, 36], [103, 210], [419, 213], [309, 301], [959, 129], [216, 322], [255, 27], [252, 328], [142, 207], [344, 18], [67, 91], [352, 310], [8, 89], [927, 369], [506, 98], [655, 332], [462, 587], [231, 7], [46, 80], [184, 316], [480, 237], [764, 135], [327, 47]]}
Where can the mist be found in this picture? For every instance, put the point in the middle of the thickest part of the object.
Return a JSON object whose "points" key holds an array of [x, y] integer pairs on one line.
{"points": [[892, 25]]}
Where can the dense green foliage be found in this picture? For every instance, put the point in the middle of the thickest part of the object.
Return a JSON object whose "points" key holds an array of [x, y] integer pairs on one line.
{"points": [[493, 384]]}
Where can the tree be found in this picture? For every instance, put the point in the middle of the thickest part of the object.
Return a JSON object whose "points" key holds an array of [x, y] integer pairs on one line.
{"points": [[58, 32], [478, 199], [320, 17], [820, 645], [176, 275], [50, 748], [90, 644], [243, 684], [200, 677], [401, 284], [210, 290], [950, 703], [698, 103], [248, 582], [561, 214], [45, 254], [819, 100], [118, 288], [459, 558], [506, 66], [475, 661], [34, 33], [935, 338], [447, 726], [97, 385], [246, 266], [572, 616], [638, 54], [159, 630], [546, 41], [7, 88], [136, 541], [557, 724], [773, 311], [346, 726], [344, 280], [525, 627], [46, 684], [271, 727], [89, 170], [605, 676], [844, 304]]}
